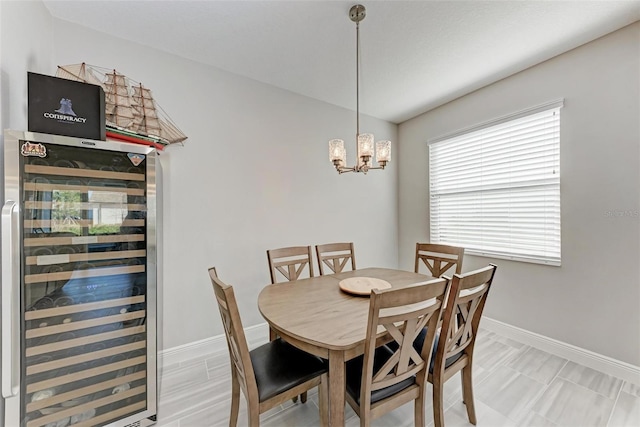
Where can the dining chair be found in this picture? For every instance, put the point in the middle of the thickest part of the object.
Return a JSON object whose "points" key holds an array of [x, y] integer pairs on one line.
{"points": [[454, 353], [335, 256], [383, 379], [270, 374], [290, 262], [438, 258]]}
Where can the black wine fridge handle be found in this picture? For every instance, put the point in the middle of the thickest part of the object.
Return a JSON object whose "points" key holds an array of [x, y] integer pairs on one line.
{"points": [[10, 299]]}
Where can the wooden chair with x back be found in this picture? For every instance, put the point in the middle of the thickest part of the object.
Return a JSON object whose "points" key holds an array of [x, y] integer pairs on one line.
{"points": [[438, 258], [290, 263], [270, 374], [454, 353], [384, 379], [335, 256]]}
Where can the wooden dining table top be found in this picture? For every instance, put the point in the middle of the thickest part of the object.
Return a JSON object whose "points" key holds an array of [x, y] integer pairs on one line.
{"points": [[316, 311]]}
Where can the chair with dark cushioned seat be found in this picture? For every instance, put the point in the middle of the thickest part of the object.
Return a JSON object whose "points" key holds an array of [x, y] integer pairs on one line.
{"points": [[454, 349], [438, 258], [382, 379], [290, 263], [335, 256], [270, 374]]}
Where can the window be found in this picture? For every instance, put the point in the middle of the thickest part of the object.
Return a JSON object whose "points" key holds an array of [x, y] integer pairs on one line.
{"points": [[495, 188]]}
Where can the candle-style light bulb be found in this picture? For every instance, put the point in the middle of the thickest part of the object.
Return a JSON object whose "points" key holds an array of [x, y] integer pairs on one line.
{"points": [[337, 153], [365, 142], [383, 152]]}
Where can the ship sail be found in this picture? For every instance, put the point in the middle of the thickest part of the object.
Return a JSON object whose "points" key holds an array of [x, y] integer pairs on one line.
{"points": [[78, 72], [170, 132], [146, 109], [129, 106], [119, 106]]}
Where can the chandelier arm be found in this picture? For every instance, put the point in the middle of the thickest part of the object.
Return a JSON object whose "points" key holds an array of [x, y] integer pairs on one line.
{"points": [[342, 169]]}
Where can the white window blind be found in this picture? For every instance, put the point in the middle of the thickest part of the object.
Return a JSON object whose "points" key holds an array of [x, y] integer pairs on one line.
{"points": [[495, 189]]}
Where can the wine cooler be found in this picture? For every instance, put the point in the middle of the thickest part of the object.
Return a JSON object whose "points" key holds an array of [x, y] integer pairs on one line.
{"points": [[79, 261]]}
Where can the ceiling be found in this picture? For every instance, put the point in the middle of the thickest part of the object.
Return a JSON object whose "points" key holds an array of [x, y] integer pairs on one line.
{"points": [[415, 55]]}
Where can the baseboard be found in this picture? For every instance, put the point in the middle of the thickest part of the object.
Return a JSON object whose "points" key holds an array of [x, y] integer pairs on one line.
{"points": [[599, 362], [216, 345]]}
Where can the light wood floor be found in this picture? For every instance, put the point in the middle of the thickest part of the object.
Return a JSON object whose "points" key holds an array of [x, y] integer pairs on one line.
{"points": [[514, 385]]}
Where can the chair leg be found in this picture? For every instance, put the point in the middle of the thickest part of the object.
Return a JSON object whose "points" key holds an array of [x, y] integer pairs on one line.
{"points": [[467, 393], [254, 415], [438, 404], [254, 418], [235, 401], [303, 397], [323, 400], [418, 411]]}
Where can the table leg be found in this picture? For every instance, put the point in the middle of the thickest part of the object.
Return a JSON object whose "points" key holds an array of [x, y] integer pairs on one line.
{"points": [[336, 388]]}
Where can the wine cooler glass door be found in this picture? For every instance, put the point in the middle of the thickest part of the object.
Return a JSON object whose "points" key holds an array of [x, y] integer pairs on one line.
{"points": [[84, 285]]}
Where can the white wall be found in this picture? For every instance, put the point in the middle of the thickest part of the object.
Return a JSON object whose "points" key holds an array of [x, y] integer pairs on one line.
{"points": [[254, 174], [31, 24], [25, 44], [593, 300]]}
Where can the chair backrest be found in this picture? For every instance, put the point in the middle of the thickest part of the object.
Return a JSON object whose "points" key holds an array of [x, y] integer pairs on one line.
{"points": [[462, 314], [236, 341], [335, 256], [403, 312], [290, 262], [438, 258]]}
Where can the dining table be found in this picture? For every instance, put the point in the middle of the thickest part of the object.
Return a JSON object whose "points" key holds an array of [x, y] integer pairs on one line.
{"points": [[316, 315]]}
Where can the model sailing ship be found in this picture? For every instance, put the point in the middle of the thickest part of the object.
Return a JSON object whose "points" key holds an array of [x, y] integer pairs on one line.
{"points": [[130, 110]]}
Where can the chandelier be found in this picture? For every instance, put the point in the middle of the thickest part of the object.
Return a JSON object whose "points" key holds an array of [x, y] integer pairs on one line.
{"points": [[364, 141]]}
